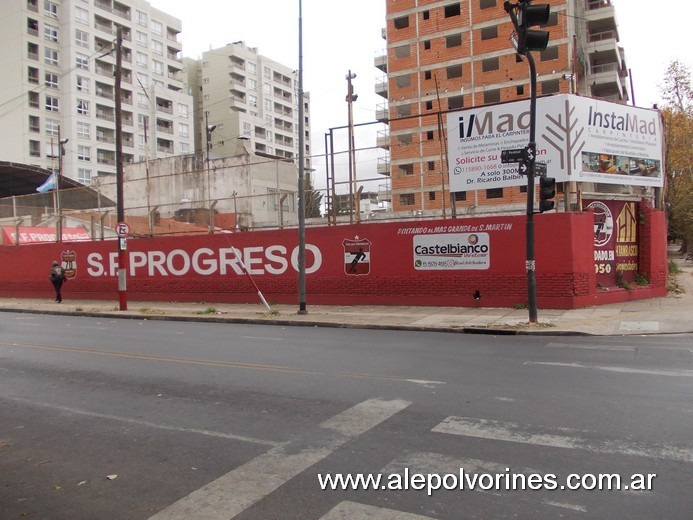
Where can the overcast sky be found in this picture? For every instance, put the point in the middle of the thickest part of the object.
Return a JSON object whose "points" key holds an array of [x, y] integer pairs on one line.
{"points": [[343, 36]]}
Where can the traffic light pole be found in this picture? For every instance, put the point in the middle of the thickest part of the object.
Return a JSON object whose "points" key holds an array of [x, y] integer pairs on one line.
{"points": [[531, 261]]}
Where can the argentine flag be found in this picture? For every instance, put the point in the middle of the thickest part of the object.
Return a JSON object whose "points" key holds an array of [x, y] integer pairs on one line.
{"points": [[49, 185]]}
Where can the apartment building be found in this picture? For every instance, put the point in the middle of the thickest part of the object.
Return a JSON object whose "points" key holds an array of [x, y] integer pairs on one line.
{"points": [[244, 95], [59, 58], [444, 56]]}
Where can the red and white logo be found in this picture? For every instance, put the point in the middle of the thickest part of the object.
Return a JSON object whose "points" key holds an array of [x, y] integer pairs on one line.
{"points": [[69, 263], [357, 256]]}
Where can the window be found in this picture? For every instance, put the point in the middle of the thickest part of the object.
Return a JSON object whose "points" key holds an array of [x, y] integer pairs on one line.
{"points": [[141, 39], [252, 101], [427, 45], [34, 149], [431, 195], [455, 102], [82, 61], [431, 165], [429, 135], [460, 196], [50, 8], [246, 128], [157, 47], [50, 56], [50, 33], [406, 169], [157, 68], [268, 88], [494, 193], [83, 107], [488, 33], [402, 22], [267, 73], [83, 153], [549, 54], [52, 149], [33, 75], [81, 38], [268, 104], [452, 10], [428, 74], [51, 79], [425, 14], [142, 101], [520, 90], [141, 120], [141, 18], [454, 40], [83, 130], [141, 59], [52, 127], [553, 19], [32, 26], [143, 80], [52, 104], [32, 51], [406, 199], [157, 28], [182, 110], [252, 84], [492, 96], [184, 148], [184, 130], [490, 64], [551, 86], [84, 176], [402, 51], [454, 71], [82, 84], [81, 16], [429, 105], [34, 124], [269, 136], [252, 68], [33, 99], [487, 4]]}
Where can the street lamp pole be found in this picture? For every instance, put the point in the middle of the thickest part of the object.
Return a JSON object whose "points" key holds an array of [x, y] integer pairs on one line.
{"points": [[301, 188], [208, 130], [58, 203]]}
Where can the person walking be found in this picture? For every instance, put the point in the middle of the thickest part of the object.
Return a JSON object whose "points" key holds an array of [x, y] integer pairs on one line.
{"points": [[57, 277]]}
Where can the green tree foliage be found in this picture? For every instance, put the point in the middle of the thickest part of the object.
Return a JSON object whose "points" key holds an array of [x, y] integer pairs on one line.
{"points": [[313, 198], [678, 124]]}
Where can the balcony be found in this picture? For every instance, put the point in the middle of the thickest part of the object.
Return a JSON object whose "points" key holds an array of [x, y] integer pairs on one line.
{"points": [[380, 63], [382, 112], [606, 81], [383, 167], [383, 139], [381, 87]]}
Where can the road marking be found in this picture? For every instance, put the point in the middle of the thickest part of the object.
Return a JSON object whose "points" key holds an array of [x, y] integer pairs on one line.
{"points": [[572, 507], [622, 370], [354, 511], [513, 432], [218, 364], [592, 347], [148, 424], [231, 494]]}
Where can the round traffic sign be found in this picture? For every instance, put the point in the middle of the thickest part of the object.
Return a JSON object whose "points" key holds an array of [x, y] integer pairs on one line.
{"points": [[122, 229]]}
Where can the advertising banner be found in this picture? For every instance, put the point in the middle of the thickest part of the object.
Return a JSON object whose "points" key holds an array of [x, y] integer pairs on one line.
{"points": [[578, 138], [615, 241], [36, 235]]}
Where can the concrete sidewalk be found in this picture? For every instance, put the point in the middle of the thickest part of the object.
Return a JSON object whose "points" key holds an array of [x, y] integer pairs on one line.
{"points": [[670, 315]]}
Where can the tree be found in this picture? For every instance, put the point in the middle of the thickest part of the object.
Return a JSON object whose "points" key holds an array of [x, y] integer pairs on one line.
{"points": [[313, 198], [678, 129]]}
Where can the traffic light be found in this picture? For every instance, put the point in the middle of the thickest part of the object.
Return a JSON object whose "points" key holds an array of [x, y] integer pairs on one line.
{"points": [[529, 39], [547, 191]]}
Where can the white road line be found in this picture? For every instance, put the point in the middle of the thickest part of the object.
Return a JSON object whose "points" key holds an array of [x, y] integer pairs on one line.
{"points": [[513, 432], [621, 348], [622, 370], [239, 489], [144, 423], [572, 507], [353, 511]]}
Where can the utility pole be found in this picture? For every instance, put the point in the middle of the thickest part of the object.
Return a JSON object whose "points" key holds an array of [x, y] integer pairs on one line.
{"points": [[208, 131], [120, 203], [301, 166], [353, 194]]}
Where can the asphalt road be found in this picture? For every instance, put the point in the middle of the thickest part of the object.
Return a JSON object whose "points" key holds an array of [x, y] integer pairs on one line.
{"points": [[122, 419]]}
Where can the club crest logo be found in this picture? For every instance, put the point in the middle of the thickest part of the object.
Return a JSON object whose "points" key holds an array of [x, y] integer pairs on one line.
{"points": [[357, 256]]}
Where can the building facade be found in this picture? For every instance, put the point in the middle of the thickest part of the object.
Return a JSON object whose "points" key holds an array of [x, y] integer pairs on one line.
{"points": [[61, 54], [445, 56], [242, 94]]}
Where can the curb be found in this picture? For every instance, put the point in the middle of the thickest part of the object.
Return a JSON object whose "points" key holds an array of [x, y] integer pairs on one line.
{"points": [[294, 323]]}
